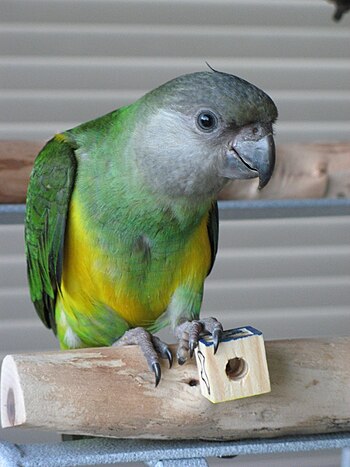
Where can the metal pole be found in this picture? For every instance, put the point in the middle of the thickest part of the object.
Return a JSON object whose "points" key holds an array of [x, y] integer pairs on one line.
{"points": [[195, 462], [345, 457]]}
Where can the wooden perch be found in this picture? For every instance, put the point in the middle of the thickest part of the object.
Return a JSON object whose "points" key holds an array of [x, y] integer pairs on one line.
{"points": [[16, 163], [302, 171], [110, 392]]}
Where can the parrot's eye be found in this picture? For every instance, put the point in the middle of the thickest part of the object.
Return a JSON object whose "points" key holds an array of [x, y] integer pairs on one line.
{"points": [[207, 121]]}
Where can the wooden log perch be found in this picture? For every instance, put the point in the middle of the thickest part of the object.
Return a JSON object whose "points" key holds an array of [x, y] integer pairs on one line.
{"points": [[110, 392], [16, 163], [302, 171]]}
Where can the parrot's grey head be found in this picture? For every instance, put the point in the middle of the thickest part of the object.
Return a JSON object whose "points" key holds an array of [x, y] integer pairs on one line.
{"points": [[201, 130]]}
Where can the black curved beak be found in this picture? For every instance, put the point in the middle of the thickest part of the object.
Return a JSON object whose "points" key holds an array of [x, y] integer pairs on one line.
{"points": [[258, 156], [250, 154]]}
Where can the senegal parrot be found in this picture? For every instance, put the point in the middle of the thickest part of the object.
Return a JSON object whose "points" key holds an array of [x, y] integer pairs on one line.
{"points": [[121, 224]]}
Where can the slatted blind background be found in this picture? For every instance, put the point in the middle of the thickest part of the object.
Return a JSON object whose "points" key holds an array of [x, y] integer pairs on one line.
{"points": [[66, 61]]}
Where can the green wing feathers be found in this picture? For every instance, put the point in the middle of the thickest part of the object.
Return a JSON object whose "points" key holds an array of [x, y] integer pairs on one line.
{"points": [[48, 197]]}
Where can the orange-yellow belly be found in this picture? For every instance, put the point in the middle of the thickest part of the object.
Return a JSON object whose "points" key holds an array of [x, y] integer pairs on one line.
{"points": [[94, 280]]}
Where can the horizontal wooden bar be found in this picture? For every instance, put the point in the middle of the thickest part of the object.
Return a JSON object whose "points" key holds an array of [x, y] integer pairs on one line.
{"points": [[16, 162], [110, 392]]}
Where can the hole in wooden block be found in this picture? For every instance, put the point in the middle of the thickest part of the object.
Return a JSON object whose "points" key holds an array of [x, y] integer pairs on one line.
{"points": [[236, 368]]}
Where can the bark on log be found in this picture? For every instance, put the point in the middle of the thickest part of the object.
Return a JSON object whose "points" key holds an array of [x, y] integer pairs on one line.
{"points": [[302, 171], [110, 392], [16, 162]]}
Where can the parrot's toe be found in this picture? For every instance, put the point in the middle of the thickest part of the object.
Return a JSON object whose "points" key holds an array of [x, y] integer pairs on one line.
{"points": [[162, 349], [189, 332], [152, 348]]}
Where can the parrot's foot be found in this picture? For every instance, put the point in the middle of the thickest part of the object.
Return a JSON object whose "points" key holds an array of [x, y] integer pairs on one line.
{"points": [[151, 346], [189, 332]]}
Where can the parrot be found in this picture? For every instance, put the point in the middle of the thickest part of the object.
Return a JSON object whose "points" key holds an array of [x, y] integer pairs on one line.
{"points": [[121, 224]]}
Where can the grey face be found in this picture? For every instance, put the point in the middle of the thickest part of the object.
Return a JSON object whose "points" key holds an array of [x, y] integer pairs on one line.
{"points": [[200, 130]]}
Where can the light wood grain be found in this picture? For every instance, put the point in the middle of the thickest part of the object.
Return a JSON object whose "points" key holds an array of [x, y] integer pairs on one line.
{"points": [[110, 392], [238, 369], [16, 162]]}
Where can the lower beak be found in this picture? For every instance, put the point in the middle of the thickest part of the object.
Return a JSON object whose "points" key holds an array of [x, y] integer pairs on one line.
{"points": [[249, 159]]}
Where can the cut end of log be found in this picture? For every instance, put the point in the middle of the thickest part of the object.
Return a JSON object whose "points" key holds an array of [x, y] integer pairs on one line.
{"points": [[12, 401]]}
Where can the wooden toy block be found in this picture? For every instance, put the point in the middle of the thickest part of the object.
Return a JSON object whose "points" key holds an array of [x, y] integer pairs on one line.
{"points": [[238, 369]]}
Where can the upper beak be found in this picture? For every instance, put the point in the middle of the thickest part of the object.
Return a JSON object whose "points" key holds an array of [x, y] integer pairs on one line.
{"points": [[250, 158], [259, 156]]}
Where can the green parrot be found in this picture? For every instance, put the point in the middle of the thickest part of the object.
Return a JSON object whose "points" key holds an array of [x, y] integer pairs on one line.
{"points": [[121, 224]]}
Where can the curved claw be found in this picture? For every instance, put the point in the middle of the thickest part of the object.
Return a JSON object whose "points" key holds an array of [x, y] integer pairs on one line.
{"points": [[217, 335], [181, 360], [189, 332], [157, 372], [193, 345], [169, 356]]}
